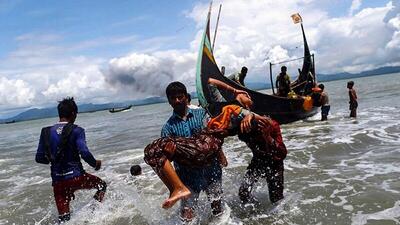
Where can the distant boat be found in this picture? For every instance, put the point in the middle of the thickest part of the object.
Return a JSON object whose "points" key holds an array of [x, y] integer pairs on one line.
{"points": [[114, 110], [11, 121], [282, 109]]}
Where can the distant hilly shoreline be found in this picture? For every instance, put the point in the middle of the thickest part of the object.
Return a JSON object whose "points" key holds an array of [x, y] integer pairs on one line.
{"points": [[36, 113]]}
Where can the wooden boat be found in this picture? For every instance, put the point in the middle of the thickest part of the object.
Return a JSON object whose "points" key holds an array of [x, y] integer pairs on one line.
{"points": [[282, 109], [114, 110]]}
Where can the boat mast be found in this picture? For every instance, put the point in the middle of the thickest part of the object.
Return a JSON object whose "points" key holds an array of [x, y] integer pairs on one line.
{"points": [[270, 76], [216, 28]]}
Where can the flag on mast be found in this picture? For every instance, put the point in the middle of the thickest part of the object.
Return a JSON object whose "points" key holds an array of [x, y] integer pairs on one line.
{"points": [[296, 18]]}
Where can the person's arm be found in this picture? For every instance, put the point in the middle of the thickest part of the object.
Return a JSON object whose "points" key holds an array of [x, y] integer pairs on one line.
{"points": [[278, 147], [354, 94], [222, 85], [41, 151], [84, 150]]}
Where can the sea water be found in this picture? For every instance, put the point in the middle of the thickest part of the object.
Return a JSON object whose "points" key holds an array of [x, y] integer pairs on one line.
{"points": [[340, 171]]}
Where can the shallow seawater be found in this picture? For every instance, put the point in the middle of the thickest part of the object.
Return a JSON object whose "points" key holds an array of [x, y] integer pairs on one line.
{"points": [[341, 171]]}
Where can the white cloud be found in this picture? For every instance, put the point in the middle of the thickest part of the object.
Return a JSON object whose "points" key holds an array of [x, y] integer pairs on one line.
{"points": [[15, 92], [355, 5], [251, 33]]}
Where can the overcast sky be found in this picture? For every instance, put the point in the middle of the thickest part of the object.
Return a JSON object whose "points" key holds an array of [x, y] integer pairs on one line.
{"points": [[110, 51]]}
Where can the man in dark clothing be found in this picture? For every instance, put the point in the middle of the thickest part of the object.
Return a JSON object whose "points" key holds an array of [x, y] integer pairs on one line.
{"points": [[62, 145], [353, 99], [269, 151], [283, 82]]}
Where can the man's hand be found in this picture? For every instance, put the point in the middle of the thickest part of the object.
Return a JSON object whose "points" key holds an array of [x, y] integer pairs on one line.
{"points": [[245, 125], [169, 149], [264, 125], [98, 165]]}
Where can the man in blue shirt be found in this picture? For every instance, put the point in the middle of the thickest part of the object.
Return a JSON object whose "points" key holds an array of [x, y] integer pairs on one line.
{"points": [[62, 145], [185, 122]]}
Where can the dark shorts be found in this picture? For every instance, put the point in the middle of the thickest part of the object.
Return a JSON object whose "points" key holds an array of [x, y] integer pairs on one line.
{"points": [[325, 110], [64, 190], [353, 105]]}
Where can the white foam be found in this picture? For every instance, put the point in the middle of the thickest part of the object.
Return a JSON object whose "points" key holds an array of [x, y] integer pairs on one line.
{"points": [[387, 214]]}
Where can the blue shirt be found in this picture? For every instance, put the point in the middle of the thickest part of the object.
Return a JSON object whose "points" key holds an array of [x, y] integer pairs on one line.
{"points": [[70, 166], [196, 179]]}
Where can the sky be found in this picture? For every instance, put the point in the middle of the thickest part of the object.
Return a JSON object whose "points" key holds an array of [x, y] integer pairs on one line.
{"points": [[111, 51]]}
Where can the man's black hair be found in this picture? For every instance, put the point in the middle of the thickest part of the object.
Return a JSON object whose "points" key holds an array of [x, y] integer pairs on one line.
{"points": [[67, 107], [350, 83], [283, 68], [244, 69], [175, 88], [136, 170], [321, 86]]}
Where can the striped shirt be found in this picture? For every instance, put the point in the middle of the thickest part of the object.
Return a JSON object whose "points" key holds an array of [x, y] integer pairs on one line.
{"points": [[196, 120]]}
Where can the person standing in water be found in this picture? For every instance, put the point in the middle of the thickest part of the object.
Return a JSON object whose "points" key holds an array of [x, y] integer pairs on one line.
{"points": [[62, 145], [352, 99], [186, 122], [269, 151], [325, 107]]}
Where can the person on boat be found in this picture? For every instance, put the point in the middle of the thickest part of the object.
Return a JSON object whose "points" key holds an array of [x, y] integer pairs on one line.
{"points": [[62, 146], [353, 99], [223, 70], [324, 99], [239, 77], [283, 82]]}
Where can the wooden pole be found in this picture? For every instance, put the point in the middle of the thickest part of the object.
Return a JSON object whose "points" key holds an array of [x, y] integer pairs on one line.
{"points": [[270, 76], [216, 27]]}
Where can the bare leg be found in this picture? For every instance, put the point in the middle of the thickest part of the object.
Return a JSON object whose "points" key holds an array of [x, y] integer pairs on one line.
{"points": [[176, 188]]}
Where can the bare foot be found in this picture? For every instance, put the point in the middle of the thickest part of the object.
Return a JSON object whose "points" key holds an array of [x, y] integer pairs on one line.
{"points": [[179, 194]]}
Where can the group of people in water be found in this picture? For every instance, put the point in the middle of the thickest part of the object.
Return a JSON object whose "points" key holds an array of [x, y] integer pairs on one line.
{"points": [[190, 139]]}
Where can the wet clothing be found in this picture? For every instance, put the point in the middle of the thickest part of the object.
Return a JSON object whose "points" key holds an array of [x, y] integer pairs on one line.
{"points": [[196, 152], [196, 179], [325, 111], [283, 84], [66, 168], [70, 166], [64, 190], [272, 171], [267, 162], [353, 104], [325, 106]]}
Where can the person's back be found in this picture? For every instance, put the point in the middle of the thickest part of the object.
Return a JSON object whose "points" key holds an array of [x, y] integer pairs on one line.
{"points": [[62, 145]]}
